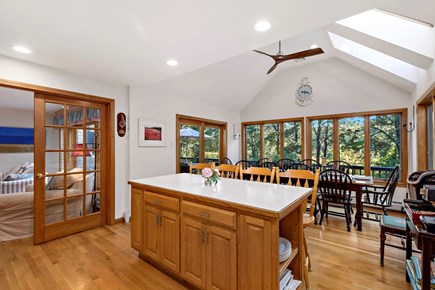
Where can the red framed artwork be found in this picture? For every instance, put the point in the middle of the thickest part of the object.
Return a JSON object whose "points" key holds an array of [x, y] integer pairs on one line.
{"points": [[151, 133]]}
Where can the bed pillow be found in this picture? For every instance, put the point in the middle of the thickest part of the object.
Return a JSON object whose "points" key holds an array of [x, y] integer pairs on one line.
{"points": [[57, 181], [11, 177]]}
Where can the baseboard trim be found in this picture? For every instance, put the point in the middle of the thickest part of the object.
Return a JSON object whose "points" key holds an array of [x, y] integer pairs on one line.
{"points": [[120, 220]]}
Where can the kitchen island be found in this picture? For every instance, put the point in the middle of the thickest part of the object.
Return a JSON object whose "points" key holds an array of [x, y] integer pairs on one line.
{"points": [[218, 237]]}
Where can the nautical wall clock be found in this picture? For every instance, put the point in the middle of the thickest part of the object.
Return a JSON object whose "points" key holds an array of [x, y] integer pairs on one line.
{"points": [[304, 93]]}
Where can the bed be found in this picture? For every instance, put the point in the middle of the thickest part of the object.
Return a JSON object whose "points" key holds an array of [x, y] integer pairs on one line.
{"points": [[16, 209], [17, 179], [13, 186]]}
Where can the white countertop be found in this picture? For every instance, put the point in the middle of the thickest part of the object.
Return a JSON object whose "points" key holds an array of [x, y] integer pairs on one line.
{"points": [[271, 197]]}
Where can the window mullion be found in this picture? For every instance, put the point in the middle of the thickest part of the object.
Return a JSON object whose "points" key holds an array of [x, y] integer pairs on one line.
{"points": [[367, 168]]}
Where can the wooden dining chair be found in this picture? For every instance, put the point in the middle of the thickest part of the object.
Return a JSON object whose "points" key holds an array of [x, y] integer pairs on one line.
{"points": [[244, 164], [257, 174], [228, 170], [380, 195], [312, 163], [285, 163], [335, 188], [196, 168], [303, 178], [341, 165], [225, 160]]}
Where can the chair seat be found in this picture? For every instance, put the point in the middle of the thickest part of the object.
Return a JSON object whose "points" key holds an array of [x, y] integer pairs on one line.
{"points": [[393, 222], [308, 220]]}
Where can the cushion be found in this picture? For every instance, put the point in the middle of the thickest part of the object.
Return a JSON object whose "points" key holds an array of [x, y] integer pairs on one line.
{"points": [[14, 170], [393, 222], [11, 177], [57, 181]]}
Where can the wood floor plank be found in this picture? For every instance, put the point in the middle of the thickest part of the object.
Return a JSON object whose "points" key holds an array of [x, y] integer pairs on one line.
{"points": [[102, 258]]}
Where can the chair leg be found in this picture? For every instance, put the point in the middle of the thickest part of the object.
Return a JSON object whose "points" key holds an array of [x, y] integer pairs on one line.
{"points": [[322, 212], [306, 277], [307, 253], [347, 215], [382, 246]]}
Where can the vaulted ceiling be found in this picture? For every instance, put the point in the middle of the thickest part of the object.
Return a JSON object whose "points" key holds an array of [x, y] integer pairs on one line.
{"points": [[128, 42]]}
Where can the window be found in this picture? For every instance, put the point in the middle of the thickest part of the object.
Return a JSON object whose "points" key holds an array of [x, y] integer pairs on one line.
{"points": [[322, 140], [252, 133], [274, 139], [372, 142], [430, 135], [199, 141], [425, 132], [351, 138], [292, 140]]}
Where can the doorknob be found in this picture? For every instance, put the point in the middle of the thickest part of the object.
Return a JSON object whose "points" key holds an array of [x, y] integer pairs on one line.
{"points": [[40, 175]]}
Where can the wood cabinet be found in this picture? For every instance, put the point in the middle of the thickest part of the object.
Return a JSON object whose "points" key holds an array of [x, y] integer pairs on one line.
{"points": [[136, 218], [208, 251], [161, 232], [214, 240], [256, 255]]}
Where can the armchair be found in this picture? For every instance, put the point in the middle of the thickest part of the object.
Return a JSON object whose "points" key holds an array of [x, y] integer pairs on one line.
{"points": [[381, 196]]}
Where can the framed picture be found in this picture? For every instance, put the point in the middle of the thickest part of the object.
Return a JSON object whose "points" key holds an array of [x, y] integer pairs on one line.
{"points": [[16, 140], [151, 133]]}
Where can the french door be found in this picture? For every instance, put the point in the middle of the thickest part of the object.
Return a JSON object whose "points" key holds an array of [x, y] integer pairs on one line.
{"points": [[70, 166]]}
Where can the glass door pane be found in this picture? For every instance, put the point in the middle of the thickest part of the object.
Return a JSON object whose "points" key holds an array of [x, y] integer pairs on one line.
{"points": [[189, 146], [211, 145]]}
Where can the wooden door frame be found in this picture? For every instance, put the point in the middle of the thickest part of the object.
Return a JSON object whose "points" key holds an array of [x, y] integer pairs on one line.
{"points": [[201, 122], [110, 103]]}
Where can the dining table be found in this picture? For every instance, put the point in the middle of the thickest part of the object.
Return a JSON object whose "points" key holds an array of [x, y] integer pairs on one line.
{"points": [[358, 182]]}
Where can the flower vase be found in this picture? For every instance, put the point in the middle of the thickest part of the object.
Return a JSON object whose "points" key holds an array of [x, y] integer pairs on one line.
{"points": [[207, 182]]}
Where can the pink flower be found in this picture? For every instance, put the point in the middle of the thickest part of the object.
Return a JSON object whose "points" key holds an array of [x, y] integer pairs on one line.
{"points": [[207, 172]]}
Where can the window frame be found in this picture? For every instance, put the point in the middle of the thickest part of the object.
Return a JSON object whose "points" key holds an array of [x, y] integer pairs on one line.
{"points": [[366, 115], [201, 123], [281, 135], [423, 128]]}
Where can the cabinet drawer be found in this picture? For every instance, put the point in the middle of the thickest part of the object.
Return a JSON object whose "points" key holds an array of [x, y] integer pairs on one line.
{"points": [[160, 200], [209, 213]]}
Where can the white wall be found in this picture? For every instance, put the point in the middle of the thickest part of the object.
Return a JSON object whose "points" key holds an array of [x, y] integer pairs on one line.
{"points": [[160, 103], [337, 88], [15, 118], [16, 70]]}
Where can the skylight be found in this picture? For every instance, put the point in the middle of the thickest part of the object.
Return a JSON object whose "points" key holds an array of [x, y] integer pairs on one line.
{"points": [[376, 58], [404, 32]]}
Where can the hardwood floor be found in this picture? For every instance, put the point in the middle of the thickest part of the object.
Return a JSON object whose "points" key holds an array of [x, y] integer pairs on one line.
{"points": [[103, 259]]}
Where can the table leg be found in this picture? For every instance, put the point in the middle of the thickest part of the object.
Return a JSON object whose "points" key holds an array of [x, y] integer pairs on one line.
{"points": [[358, 208]]}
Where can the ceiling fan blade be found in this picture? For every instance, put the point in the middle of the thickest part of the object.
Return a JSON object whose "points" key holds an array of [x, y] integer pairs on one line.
{"points": [[264, 53], [273, 68], [302, 54]]}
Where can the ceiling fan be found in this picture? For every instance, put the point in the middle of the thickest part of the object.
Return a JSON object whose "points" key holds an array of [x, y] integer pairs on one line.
{"points": [[281, 57]]}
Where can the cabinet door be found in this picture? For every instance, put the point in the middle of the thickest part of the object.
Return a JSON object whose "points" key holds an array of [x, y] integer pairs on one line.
{"points": [[136, 219], [193, 252], [169, 244], [151, 232], [221, 258], [255, 254]]}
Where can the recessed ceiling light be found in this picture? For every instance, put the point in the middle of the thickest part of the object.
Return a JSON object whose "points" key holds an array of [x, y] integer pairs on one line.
{"points": [[21, 49], [313, 46], [262, 25], [172, 62]]}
